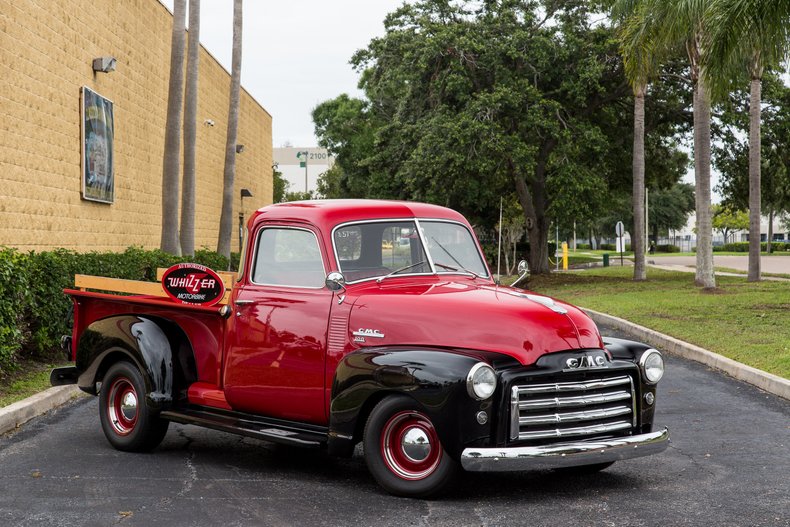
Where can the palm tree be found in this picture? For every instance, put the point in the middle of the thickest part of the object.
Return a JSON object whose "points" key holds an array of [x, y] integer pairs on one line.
{"points": [[640, 64], [175, 96], [666, 25], [187, 231], [226, 219], [754, 34]]}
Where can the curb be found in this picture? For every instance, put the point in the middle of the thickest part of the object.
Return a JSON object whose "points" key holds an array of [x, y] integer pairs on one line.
{"points": [[14, 415], [765, 381]]}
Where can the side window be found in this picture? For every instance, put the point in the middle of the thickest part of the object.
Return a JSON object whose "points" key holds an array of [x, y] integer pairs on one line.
{"points": [[289, 257]]}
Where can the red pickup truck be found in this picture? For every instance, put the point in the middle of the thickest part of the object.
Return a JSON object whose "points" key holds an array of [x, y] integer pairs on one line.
{"points": [[375, 322]]}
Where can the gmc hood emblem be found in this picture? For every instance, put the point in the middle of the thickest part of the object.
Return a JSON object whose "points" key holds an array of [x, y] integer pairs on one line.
{"points": [[586, 362]]}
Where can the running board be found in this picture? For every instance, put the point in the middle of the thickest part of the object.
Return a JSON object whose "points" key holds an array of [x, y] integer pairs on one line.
{"points": [[274, 430]]}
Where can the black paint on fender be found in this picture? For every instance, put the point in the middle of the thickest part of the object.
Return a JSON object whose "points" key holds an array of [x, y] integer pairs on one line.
{"points": [[434, 379], [152, 344]]}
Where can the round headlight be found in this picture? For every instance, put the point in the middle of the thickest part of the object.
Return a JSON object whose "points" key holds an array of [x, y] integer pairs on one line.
{"points": [[481, 381], [652, 366]]}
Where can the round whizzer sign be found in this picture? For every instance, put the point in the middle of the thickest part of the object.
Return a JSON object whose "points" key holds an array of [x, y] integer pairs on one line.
{"points": [[190, 283]]}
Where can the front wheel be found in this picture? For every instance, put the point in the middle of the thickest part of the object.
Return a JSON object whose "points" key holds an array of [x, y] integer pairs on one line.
{"points": [[126, 420], [403, 451]]}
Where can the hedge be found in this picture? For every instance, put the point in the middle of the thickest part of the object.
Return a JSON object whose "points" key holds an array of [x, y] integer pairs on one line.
{"points": [[33, 308], [743, 247]]}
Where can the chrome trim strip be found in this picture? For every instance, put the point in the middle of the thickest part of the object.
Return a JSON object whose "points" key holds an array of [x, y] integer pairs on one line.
{"points": [[575, 417], [254, 260], [581, 400], [514, 413], [574, 432], [575, 386], [424, 246], [569, 454]]}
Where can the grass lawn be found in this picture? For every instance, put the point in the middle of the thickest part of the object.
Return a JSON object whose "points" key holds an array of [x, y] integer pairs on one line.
{"points": [[29, 379], [747, 322]]}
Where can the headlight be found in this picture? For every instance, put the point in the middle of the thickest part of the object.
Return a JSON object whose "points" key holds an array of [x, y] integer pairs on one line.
{"points": [[652, 365], [481, 381]]}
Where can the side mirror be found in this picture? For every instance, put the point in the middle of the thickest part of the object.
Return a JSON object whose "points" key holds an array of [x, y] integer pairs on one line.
{"points": [[523, 272], [335, 281]]}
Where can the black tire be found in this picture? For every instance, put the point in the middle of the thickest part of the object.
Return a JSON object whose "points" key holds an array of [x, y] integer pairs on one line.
{"points": [[126, 420], [584, 470], [423, 474]]}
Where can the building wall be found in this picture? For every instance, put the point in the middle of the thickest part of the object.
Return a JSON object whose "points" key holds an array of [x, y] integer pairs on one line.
{"points": [[46, 52]]}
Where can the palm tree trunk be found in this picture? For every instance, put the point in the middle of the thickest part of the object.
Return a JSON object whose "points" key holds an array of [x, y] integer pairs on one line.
{"points": [[704, 274], [754, 181], [175, 97], [226, 219], [638, 196], [187, 234]]}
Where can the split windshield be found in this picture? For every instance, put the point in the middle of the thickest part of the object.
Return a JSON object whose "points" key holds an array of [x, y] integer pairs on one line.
{"points": [[379, 249]]}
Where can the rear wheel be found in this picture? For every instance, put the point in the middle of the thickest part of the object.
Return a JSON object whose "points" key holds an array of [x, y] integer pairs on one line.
{"points": [[126, 420], [403, 451]]}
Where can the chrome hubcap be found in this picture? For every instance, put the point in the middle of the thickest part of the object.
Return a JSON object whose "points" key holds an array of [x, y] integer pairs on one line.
{"points": [[129, 406], [416, 444]]}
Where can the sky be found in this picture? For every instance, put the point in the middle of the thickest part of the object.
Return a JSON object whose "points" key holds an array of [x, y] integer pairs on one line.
{"points": [[295, 54]]}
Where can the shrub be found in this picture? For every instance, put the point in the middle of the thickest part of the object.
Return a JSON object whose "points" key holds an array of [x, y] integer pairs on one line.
{"points": [[13, 298], [33, 308], [667, 248]]}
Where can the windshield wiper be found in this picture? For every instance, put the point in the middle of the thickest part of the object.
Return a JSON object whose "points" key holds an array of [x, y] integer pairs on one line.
{"points": [[450, 268], [406, 268]]}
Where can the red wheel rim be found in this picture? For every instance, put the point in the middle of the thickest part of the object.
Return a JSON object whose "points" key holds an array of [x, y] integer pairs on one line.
{"points": [[410, 446], [122, 406]]}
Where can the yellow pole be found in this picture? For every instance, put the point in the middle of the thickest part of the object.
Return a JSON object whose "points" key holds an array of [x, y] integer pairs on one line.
{"points": [[564, 256]]}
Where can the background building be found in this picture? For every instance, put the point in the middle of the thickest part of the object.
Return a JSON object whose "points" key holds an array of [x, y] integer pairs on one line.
{"points": [[302, 166], [46, 55]]}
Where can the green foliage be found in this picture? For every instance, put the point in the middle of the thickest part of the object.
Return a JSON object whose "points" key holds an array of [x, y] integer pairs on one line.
{"points": [[279, 186], [13, 299], [743, 247], [667, 248], [33, 308], [731, 155], [470, 101]]}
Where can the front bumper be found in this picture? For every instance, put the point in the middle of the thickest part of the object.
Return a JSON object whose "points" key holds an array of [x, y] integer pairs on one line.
{"points": [[560, 455]]}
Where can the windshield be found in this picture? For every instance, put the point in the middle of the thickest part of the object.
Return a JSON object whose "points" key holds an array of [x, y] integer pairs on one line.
{"points": [[380, 249]]}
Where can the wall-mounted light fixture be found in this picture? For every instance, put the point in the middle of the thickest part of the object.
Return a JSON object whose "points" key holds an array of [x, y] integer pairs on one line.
{"points": [[104, 64], [209, 122], [245, 193], [239, 150]]}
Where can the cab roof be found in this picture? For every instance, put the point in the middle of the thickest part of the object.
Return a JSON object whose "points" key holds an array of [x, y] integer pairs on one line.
{"points": [[332, 212]]}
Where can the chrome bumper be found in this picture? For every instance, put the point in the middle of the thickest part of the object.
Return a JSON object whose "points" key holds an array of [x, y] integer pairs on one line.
{"points": [[559, 455]]}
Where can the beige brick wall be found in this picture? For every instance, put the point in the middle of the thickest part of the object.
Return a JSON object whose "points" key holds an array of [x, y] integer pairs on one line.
{"points": [[46, 50]]}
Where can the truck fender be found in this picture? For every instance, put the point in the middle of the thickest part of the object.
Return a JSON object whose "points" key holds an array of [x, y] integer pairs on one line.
{"points": [[434, 379], [143, 340]]}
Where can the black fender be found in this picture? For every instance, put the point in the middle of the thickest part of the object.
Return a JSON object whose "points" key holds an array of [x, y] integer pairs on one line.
{"points": [[632, 351], [149, 342], [434, 379]]}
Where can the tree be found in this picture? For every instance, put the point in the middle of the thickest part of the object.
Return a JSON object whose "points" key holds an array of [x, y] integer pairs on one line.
{"points": [[669, 24], [187, 231], [726, 220], [479, 100], [226, 215], [279, 186], [175, 97], [640, 64], [733, 156], [751, 33]]}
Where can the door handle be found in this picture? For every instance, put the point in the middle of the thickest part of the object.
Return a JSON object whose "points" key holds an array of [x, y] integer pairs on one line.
{"points": [[243, 302]]}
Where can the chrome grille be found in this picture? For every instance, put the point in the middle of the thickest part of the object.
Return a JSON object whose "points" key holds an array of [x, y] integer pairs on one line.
{"points": [[572, 408]]}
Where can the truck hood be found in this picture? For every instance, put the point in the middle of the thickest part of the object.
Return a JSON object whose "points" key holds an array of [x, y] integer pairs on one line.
{"points": [[470, 315]]}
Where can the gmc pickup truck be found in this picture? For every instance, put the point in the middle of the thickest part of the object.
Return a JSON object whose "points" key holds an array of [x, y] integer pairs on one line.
{"points": [[365, 321]]}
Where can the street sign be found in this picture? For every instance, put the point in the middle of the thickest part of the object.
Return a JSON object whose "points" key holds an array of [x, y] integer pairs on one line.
{"points": [[619, 229]]}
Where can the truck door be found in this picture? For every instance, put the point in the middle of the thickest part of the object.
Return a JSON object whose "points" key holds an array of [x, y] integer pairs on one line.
{"points": [[276, 353]]}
